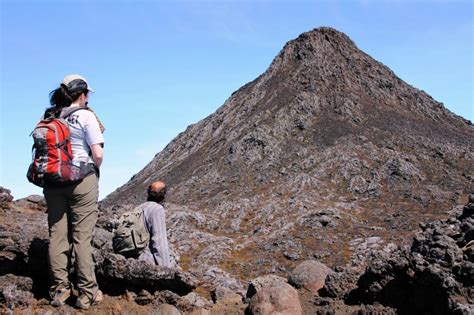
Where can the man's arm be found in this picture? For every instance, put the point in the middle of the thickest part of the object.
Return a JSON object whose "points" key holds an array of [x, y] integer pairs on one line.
{"points": [[156, 224]]}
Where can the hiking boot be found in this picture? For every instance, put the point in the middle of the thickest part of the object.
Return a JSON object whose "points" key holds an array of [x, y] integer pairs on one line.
{"points": [[60, 297], [84, 302]]}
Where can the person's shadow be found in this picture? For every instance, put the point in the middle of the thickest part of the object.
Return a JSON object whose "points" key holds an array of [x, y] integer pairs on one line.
{"points": [[37, 267]]}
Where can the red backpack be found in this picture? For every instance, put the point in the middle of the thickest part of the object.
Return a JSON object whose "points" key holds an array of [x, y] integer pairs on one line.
{"points": [[52, 155]]}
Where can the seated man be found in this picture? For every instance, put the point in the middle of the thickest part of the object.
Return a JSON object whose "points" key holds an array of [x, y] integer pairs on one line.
{"points": [[157, 251]]}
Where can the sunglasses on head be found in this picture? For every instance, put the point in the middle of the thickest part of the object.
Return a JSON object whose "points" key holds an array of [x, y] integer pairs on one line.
{"points": [[77, 85]]}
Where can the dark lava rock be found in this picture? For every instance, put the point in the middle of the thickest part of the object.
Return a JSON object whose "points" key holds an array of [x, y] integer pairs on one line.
{"points": [[435, 275], [34, 202], [185, 303], [15, 291], [193, 301], [327, 306], [24, 245], [166, 297], [119, 272], [291, 255], [375, 310], [144, 297], [5, 198], [339, 284]]}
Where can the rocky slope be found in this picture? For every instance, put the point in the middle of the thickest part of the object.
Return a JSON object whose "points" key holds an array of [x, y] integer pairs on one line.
{"points": [[435, 275], [326, 152]]}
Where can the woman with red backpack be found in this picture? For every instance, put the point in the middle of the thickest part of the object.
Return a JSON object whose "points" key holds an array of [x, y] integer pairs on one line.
{"points": [[72, 207]]}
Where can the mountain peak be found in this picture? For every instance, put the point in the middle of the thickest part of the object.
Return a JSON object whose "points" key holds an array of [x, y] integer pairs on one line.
{"points": [[328, 34], [328, 141], [313, 45], [319, 90]]}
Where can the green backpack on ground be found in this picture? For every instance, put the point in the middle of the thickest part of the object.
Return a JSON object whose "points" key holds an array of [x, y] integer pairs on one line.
{"points": [[131, 236]]}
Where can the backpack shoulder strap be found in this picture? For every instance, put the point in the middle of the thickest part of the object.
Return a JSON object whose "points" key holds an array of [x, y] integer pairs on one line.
{"points": [[133, 212]]}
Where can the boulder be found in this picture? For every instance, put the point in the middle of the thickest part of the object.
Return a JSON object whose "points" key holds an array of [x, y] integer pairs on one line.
{"points": [[24, 245], [263, 282], [144, 297], [193, 301], [217, 277], [186, 303], [339, 284], [5, 198], [225, 294], [310, 274], [15, 291], [227, 301], [166, 297], [119, 272], [278, 299]]}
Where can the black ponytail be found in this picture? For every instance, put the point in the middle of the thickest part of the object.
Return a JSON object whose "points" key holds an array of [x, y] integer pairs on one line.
{"points": [[65, 95], [60, 97]]}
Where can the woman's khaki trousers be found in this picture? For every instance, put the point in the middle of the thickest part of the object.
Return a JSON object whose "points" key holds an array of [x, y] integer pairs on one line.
{"points": [[72, 215]]}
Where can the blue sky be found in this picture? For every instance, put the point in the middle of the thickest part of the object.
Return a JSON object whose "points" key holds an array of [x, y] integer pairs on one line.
{"points": [[158, 66]]}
